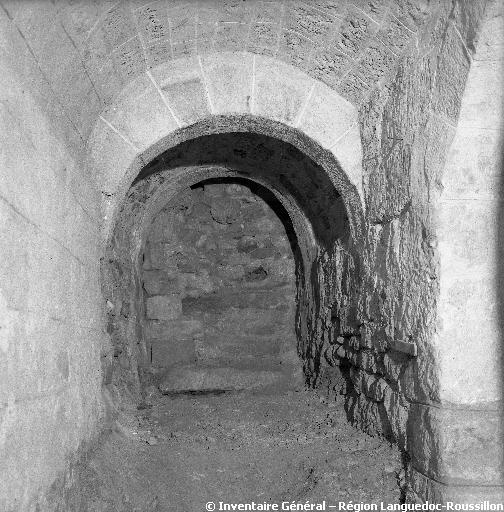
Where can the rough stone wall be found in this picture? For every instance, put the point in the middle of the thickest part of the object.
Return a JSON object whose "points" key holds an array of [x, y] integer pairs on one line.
{"points": [[51, 317], [218, 277], [381, 341]]}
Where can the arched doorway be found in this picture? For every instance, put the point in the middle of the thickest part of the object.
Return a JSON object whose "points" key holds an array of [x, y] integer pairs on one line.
{"points": [[308, 197], [219, 271]]}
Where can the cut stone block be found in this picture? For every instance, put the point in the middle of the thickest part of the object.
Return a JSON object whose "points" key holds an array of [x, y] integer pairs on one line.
{"points": [[140, 100], [235, 190], [231, 37], [377, 61], [295, 49], [213, 190], [263, 38], [457, 446], [198, 284], [229, 82], [182, 21], [264, 299], [327, 116], [441, 493], [266, 252], [162, 256], [311, 23], [158, 282], [182, 86], [236, 347], [225, 210], [164, 307], [173, 352], [153, 22], [182, 328], [280, 90], [329, 65], [354, 33], [263, 225]]}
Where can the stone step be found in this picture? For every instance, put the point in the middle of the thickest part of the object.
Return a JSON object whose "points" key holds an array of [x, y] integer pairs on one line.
{"points": [[282, 299], [233, 344], [250, 321], [216, 347], [193, 378]]}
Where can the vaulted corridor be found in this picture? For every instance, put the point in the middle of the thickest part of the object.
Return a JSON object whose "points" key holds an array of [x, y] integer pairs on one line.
{"points": [[250, 246]]}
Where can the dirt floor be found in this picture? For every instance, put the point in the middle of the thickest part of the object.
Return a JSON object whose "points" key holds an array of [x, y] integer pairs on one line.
{"points": [[181, 452]]}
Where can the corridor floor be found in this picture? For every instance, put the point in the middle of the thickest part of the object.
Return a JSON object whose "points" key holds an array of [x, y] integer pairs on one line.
{"points": [[179, 453]]}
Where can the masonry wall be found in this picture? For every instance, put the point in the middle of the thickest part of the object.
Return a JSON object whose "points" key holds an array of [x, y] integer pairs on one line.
{"points": [[218, 276], [368, 315], [401, 351], [51, 330], [468, 329]]}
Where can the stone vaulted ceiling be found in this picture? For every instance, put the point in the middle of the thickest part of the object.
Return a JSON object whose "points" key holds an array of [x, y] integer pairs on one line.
{"points": [[88, 50]]}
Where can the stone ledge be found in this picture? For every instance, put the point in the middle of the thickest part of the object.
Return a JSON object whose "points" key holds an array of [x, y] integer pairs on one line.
{"points": [[405, 347]]}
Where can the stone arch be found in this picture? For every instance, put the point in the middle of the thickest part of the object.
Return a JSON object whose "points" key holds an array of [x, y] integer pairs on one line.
{"points": [[123, 257], [172, 183], [224, 93], [318, 232], [229, 93]]}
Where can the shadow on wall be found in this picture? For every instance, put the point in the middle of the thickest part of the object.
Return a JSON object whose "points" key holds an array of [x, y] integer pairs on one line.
{"points": [[284, 167]]}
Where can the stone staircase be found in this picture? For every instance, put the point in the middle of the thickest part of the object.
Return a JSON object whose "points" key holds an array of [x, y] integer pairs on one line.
{"points": [[247, 342]]}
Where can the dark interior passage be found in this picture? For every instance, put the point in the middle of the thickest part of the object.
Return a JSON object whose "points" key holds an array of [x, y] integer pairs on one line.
{"points": [[219, 282], [224, 305]]}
